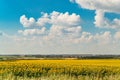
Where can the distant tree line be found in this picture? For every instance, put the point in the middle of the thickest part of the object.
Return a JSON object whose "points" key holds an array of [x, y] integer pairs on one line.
{"points": [[61, 56]]}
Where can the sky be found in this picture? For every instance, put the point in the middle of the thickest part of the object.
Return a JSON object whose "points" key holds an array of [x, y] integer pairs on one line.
{"points": [[59, 27]]}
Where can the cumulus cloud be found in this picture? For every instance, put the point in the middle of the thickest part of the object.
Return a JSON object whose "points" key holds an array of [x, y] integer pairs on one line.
{"points": [[101, 7], [54, 18], [106, 5], [62, 43], [60, 33], [58, 23], [103, 38], [65, 26], [86, 37], [102, 22], [99, 19], [43, 20], [64, 19], [27, 22], [32, 31]]}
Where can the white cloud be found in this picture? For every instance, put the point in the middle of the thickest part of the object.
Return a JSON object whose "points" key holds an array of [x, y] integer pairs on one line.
{"points": [[43, 20], [54, 18], [58, 23], [99, 19], [86, 37], [103, 38], [61, 33], [84, 43], [64, 19], [106, 5], [58, 29], [65, 33], [102, 22], [101, 7], [32, 31], [27, 22]]}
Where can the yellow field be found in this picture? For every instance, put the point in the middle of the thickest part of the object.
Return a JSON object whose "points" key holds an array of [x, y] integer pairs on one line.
{"points": [[76, 68]]}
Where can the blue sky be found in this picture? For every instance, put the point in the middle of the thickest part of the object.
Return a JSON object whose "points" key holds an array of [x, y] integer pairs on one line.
{"points": [[92, 26], [12, 10]]}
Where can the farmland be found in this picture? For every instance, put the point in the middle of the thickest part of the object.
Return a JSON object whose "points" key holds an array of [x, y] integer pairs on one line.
{"points": [[67, 69]]}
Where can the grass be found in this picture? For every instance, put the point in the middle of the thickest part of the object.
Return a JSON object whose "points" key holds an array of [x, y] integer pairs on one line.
{"points": [[97, 69], [60, 77]]}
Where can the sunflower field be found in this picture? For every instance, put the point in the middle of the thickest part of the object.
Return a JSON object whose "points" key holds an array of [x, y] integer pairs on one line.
{"points": [[96, 69]]}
